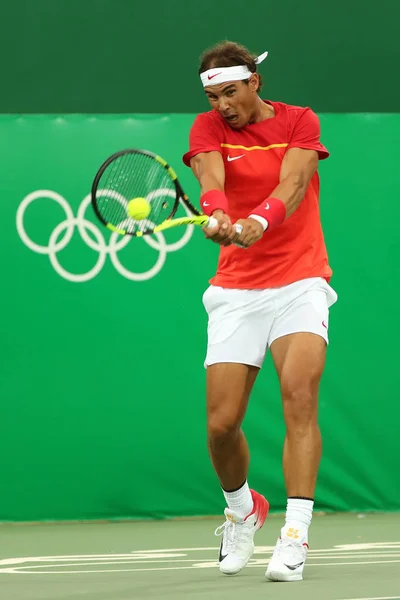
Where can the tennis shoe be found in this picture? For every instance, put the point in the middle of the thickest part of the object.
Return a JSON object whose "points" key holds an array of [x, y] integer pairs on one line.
{"points": [[288, 560], [237, 545]]}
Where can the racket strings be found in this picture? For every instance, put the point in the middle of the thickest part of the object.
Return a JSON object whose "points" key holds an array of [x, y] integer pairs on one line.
{"points": [[135, 175]]}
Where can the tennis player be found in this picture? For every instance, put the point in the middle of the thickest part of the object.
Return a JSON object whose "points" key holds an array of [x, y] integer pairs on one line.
{"points": [[257, 164]]}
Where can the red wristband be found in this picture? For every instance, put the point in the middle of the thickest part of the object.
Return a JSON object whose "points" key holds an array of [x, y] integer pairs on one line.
{"points": [[272, 210], [213, 200]]}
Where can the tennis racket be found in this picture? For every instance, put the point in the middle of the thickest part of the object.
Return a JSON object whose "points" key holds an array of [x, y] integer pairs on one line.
{"points": [[131, 174]]}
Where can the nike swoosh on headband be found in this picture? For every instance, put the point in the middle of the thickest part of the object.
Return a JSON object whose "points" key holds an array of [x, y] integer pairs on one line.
{"points": [[212, 76]]}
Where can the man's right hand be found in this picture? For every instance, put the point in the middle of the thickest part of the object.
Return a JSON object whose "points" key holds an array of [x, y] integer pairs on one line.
{"points": [[224, 233]]}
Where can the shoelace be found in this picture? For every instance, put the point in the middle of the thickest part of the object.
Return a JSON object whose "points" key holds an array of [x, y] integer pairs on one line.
{"points": [[292, 545], [228, 528]]}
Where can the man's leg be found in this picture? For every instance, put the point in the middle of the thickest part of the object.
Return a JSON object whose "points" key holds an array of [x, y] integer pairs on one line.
{"points": [[228, 389], [299, 360], [239, 324]]}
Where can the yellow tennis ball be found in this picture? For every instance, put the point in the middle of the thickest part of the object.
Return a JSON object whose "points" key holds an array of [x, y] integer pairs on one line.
{"points": [[138, 208]]}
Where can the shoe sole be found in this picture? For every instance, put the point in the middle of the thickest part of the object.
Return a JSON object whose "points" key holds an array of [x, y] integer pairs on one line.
{"points": [[279, 576], [235, 572]]}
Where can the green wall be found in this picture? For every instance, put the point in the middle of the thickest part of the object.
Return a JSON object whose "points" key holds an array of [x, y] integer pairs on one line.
{"points": [[95, 56], [102, 385]]}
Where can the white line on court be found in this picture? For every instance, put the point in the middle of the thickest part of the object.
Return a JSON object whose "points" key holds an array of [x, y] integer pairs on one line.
{"points": [[381, 598]]}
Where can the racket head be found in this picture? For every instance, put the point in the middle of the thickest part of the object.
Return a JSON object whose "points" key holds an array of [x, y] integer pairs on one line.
{"points": [[129, 174]]}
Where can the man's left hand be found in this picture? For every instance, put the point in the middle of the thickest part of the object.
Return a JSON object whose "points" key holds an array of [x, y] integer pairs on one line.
{"points": [[252, 232]]}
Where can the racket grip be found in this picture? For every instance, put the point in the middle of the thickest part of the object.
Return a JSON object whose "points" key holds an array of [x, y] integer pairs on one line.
{"points": [[212, 222]]}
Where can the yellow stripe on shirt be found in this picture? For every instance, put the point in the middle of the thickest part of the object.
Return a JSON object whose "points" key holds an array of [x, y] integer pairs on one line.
{"points": [[232, 146]]}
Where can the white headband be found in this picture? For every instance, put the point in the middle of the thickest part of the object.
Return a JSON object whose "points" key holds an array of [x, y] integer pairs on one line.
{"points": [[224, 74]]}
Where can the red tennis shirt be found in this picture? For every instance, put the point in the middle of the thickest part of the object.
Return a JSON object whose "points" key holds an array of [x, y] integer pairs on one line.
{"points": [[253, 157]]}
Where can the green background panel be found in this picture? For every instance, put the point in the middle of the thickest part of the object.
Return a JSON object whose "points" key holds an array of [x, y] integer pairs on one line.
{"points": [[102, 381], [126, 56]]}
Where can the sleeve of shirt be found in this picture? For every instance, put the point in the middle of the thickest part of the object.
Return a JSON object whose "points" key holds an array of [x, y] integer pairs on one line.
{"points": [[204, 137], [306, 134]]}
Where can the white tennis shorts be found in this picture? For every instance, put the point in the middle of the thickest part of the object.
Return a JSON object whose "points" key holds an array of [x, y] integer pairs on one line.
{"points": [[242, 324]]}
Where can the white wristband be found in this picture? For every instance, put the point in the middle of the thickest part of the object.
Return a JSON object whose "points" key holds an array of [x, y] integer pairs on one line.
{"points": [[261, 220]]}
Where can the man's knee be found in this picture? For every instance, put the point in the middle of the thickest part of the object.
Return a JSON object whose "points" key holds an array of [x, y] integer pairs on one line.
{"points": [[300, 405], [223, 427], [228, 389]]}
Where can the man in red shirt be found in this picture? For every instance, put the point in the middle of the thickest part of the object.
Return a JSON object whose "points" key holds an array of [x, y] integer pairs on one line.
{"points": [[256, 162]]}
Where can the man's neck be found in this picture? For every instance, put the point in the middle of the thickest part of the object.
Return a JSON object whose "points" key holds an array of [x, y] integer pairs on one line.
{"points": [[262, 112]]}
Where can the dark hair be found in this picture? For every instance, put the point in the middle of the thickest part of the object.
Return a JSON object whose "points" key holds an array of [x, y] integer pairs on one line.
{"points": [[229, 54]]}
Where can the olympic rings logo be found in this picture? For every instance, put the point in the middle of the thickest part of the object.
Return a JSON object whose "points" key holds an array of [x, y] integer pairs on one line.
{"points": [[99, 245]]}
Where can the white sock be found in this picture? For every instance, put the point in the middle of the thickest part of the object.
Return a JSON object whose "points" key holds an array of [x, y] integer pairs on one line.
{"points": [[241, 500], [298, 519]]}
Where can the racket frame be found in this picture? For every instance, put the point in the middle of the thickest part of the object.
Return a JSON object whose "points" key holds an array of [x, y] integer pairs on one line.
{"points": [[180, 195]]}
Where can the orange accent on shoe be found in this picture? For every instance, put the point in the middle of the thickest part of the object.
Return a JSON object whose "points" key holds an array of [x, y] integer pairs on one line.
{"points": [[260, 508]]}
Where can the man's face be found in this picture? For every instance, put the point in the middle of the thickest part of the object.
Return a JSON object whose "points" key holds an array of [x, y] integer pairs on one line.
{"points": [[235, 101]]}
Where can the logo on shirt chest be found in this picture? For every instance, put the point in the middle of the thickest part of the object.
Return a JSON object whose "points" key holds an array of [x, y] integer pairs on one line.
{"points": [[230, 158]]}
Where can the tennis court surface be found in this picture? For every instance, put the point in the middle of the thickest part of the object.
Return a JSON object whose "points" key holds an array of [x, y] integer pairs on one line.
{"points": [[351, 557]]}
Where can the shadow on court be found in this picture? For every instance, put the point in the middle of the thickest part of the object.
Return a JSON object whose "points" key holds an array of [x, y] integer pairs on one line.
{"points": [[350, 558]]}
